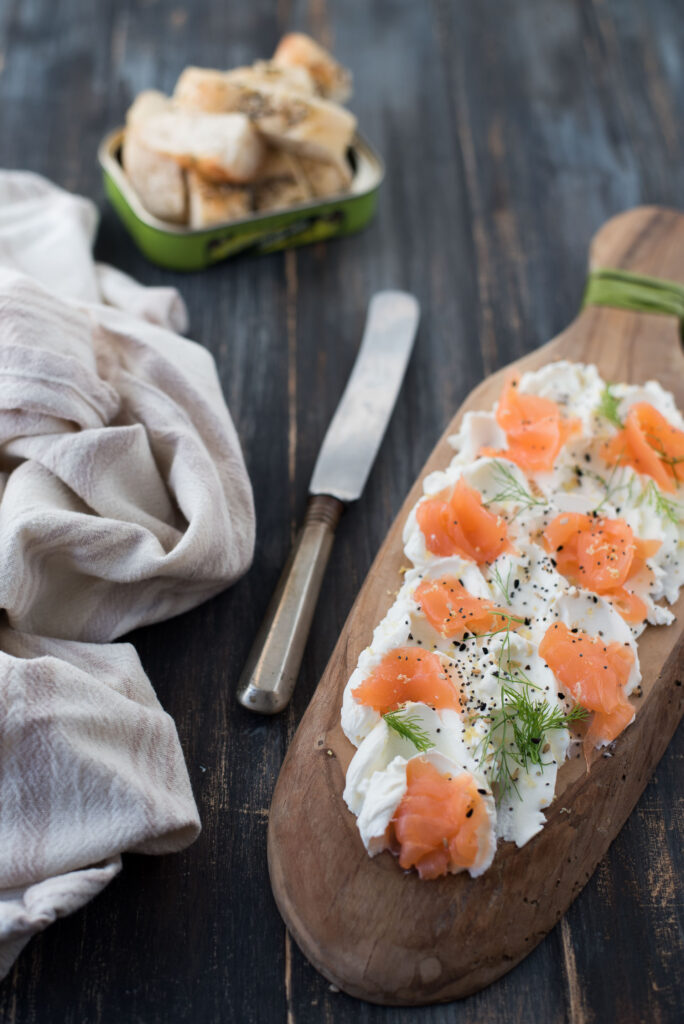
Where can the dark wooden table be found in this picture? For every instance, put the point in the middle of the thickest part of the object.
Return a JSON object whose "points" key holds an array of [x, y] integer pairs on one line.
{"points": [[511, 132]]}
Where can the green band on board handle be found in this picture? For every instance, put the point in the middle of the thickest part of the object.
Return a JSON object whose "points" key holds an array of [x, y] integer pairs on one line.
{"points": [[624, 290]]}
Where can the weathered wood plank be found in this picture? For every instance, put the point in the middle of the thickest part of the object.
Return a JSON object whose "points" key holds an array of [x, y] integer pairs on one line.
{"points": [[509, 137]]}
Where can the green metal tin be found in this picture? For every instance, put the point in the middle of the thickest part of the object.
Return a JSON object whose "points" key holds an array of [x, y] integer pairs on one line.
{"points": [[178, 248]]}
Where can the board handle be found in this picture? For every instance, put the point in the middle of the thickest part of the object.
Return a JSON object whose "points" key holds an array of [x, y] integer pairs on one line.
{"points": [[647, 241], [270, 673]]}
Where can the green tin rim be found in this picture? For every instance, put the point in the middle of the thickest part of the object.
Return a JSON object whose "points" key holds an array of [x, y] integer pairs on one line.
{"points": [[179, 248]]}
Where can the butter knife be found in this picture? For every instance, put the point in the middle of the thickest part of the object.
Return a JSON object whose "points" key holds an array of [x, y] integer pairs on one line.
{"points": [[344, 462]]}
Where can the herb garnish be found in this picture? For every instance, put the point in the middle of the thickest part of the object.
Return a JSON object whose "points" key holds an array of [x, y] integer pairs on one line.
{"points": [[611, 486], [608, 406], [504, 586], [663, 506], [668, 460], [409, 727], [517, 730], [517, 734], [512, 489], [505, 628]]}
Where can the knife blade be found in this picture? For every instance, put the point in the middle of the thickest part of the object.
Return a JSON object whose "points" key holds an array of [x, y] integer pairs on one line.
{"points": [[342, 467], [358, 426]]}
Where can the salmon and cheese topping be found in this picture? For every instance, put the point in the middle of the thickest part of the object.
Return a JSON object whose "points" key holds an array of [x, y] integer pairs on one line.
{"points": [[537, 557]]}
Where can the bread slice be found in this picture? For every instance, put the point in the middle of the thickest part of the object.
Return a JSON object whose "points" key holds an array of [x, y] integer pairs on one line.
{"points": [[222, 147], [264, 72], [217, 92], [305, 124], [147, 104], [210, 204], [326, 179], [333, 81], [158, 180], [281, 182]]}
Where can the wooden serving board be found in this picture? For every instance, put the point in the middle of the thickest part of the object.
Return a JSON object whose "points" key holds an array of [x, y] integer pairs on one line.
{"points": [[380, 933]]}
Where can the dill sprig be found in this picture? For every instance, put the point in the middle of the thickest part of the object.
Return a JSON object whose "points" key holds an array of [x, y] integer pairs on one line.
{"points": [[505, 630], [512, 489], [409, 727], [517, 730], [608, 406], [611, 486], [506, 670], [662, 506], [503, 585], [517, 734], [667, 460]]}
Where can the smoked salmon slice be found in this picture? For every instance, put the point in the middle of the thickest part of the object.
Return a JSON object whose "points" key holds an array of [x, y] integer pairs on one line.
{"points": [[452, 611], [442, 823], [601, 555], [534, 428], [650, 445], [408, 674], [629, 605], [595, 675], [457, 523]]}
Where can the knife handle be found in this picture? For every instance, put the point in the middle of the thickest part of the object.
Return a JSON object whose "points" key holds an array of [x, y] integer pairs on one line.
{"points": [[272, 667]]}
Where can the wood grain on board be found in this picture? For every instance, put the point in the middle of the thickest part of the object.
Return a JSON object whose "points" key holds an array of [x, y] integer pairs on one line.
{"points": [[509, 138], [383, 934]]}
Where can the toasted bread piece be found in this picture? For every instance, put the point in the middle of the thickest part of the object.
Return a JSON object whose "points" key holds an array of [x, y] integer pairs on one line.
{"points": [[265, 72], [222, 147], [326, 179], [210, 204], [305, 124], [158, 180], [281, 182], [333, 81], [147, 104], [204, 89], [281, 163], [277, 194], [219, 92]]}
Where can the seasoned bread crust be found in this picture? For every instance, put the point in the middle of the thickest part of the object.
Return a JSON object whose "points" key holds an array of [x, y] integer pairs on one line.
{"points": [[324, 178], [333, 81], [222, 147], [210, 204], [281, 183], [305, 124], [157, 179]]}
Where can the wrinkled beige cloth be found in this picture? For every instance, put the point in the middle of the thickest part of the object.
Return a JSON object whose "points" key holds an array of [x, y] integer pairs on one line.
{"points": [[124, 500]]}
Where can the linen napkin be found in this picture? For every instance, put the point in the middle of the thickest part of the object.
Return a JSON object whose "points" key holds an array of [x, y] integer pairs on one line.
{"points": [[124, 500]]}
